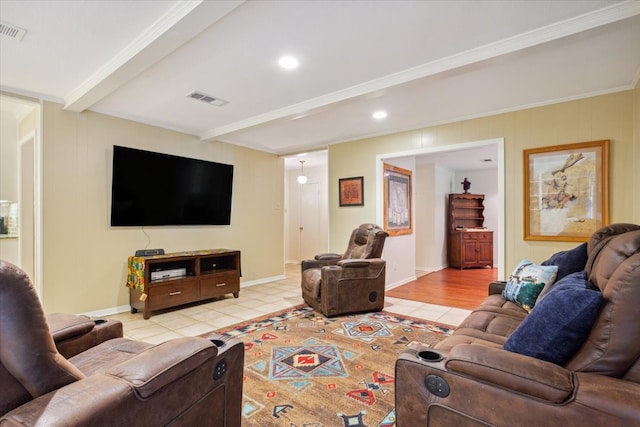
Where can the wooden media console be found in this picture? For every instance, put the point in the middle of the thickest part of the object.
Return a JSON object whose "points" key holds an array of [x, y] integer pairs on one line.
{"points": [[190, 276]]}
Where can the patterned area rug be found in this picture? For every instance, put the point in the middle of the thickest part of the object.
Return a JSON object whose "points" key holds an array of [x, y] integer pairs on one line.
{"points": [[304, 370]]}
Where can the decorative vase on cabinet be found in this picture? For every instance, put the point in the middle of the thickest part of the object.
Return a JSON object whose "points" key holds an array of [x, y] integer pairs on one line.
{"points": [[470, 244]]}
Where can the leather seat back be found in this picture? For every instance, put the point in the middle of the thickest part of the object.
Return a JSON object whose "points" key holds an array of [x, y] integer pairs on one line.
{"points": [[30, 364], [613, 266], [366, 241]]}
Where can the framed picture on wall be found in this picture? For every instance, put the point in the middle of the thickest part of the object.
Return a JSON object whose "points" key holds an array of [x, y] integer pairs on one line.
{"points": [[566, 191], [351, 191], [397, 200]]}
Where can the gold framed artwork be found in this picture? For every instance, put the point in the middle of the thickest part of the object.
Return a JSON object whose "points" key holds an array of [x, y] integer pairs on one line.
{"points": [[351, 191], [397, 200], [566, 191]]}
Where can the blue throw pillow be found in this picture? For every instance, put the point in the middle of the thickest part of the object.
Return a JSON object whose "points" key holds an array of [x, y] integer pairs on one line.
{"points": [[560, 322], [526, 282], [569, 261]]}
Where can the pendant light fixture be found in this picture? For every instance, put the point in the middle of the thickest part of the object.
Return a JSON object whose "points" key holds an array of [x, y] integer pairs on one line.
{"points": [[302, 178]]}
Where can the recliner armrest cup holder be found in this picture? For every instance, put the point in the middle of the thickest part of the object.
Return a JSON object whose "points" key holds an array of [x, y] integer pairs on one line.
{"points": [[429, 356], [218, 343]]}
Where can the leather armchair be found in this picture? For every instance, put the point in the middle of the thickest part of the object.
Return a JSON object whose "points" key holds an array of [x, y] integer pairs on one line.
{"points": [[469, 379], [186, 381], [353, 282]]}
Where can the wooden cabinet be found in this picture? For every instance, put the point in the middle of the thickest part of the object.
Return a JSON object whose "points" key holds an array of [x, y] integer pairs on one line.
{"points": [[469, 244], [470, 249], [199, 275]]}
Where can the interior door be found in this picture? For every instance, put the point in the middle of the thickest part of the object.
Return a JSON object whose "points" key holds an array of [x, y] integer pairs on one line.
{"points": [[310, 229]]}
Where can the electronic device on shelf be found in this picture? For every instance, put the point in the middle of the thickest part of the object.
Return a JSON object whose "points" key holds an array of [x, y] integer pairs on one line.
{"points": [[168, 274], [149, 252]]}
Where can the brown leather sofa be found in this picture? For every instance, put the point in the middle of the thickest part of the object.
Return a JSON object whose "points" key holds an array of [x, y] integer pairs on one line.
{"points": [[182, 382], [469, 379], [353, 282]]}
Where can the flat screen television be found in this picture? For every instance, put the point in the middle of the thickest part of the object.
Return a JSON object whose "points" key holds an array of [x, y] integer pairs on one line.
{"points": [[151, 188]]}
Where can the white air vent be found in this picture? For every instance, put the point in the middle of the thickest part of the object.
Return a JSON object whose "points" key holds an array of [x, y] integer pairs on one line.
{"points": [[207, 98], [12, 31]]}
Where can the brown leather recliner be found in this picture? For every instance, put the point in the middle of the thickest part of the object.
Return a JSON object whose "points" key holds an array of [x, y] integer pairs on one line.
{"points": [[74, 333], [353, 282], [469, 379], [182, 382]]}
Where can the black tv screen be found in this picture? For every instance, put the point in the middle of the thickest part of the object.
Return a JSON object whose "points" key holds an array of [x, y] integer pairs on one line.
{"points": [[160, 189]]}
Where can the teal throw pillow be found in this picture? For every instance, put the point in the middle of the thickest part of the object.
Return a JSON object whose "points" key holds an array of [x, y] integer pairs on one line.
{"points": [[527, 281]]}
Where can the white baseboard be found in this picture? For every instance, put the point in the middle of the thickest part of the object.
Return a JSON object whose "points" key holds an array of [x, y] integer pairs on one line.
{"points": [[399, 283], [250, 283], [421, 270], [428, 270], [108, 311]]}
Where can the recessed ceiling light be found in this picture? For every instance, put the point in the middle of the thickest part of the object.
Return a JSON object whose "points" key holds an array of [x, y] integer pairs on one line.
{"points": [[379, 115], [288, 62]]}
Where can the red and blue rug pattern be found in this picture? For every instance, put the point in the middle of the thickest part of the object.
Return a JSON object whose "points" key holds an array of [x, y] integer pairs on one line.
{"points": [[303, 369]]}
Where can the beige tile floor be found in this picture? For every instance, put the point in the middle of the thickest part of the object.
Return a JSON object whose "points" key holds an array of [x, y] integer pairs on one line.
{"points": [[255, 301]]}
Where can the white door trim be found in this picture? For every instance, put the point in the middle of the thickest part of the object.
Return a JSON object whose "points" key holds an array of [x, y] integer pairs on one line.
{"points": [[499, 142]]}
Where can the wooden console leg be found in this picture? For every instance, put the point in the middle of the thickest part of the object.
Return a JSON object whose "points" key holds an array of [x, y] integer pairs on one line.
{"points": [[236, 294]]}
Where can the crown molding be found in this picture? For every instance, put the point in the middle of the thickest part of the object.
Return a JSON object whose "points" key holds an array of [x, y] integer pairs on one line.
{"points": [[30, 95], [525, 40]]}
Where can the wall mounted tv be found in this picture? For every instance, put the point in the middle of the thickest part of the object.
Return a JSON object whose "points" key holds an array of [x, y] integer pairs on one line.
{"points": [[150, 189]]}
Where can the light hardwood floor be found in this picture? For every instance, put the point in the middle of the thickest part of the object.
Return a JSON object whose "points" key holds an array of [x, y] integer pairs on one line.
{"points": [[449, 287]]}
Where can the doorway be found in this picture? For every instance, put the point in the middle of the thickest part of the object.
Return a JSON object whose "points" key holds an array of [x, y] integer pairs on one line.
{"points": [[450, 157], [310, 222], [20, 151], [306, 207]]}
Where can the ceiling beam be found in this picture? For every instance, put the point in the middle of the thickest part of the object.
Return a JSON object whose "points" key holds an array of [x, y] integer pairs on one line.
{"points": [[568, 27], [185, 20]]}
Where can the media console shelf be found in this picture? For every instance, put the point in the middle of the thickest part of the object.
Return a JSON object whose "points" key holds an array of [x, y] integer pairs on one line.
{"points": [[163, 281]]}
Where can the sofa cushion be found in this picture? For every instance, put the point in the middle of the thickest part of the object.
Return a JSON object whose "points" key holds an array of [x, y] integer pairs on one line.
{"points": [[527, 281], [569, 261], [560, 322]]}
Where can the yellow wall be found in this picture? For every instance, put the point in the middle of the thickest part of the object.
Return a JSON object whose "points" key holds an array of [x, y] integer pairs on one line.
{"points": [[612, 117], [85, 258], [30, 122]]}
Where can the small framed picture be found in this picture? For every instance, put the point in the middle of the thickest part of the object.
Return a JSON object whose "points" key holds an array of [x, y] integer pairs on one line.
{"points": [[351, 191]]}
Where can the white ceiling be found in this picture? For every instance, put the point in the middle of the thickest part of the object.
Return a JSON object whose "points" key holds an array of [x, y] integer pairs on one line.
{"points": [[424, 62]]}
